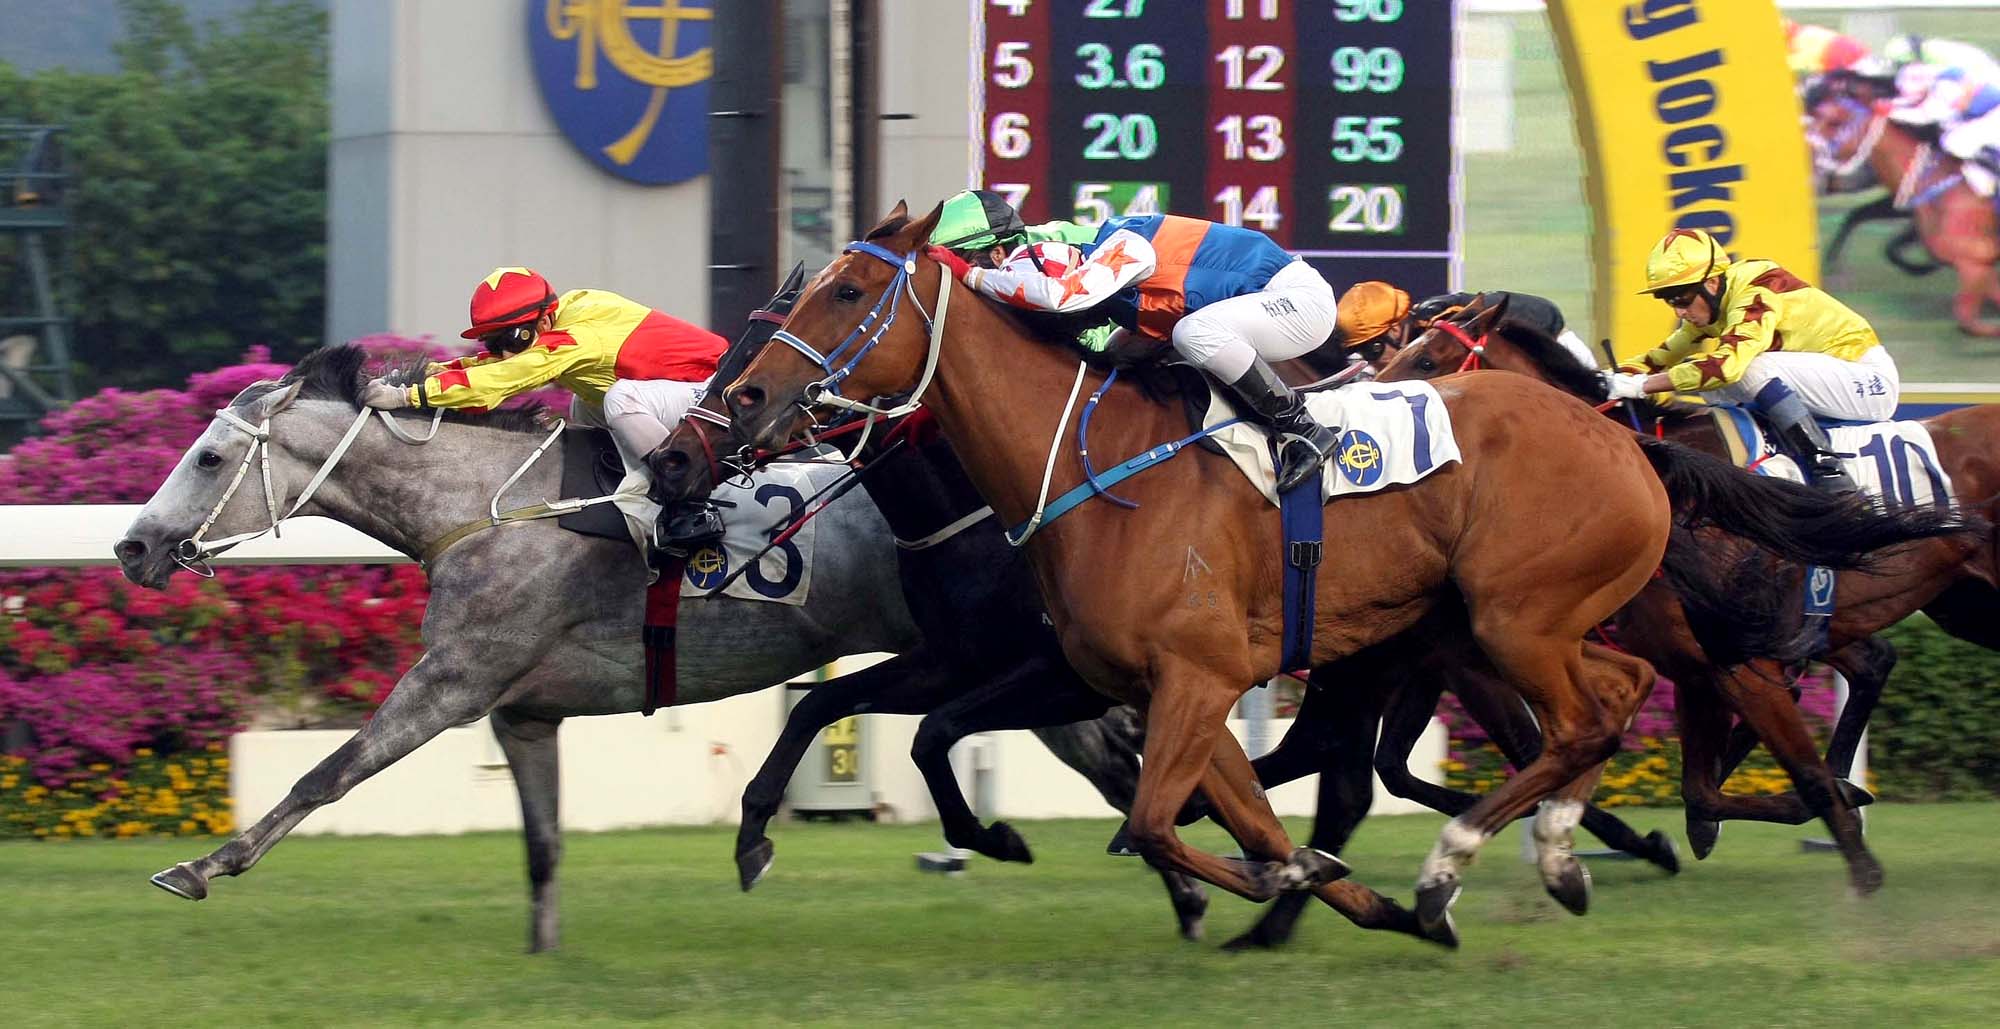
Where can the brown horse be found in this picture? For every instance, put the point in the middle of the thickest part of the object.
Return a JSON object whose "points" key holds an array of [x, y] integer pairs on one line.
{"points": [[1952, 579], [1956, 224], [1176, 605]]}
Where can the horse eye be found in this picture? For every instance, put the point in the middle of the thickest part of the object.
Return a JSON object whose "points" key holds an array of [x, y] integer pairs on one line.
{"points": [[1426, 364], [846, 293], [209, 459]]}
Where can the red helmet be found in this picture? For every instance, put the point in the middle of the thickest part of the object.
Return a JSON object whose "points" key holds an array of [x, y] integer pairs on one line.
{"points": [[507, 297]]}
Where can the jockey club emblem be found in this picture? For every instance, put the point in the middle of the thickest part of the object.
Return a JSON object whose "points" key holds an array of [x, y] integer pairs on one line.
{"points": [[1359, 458], [707, 567], [627, 82]]}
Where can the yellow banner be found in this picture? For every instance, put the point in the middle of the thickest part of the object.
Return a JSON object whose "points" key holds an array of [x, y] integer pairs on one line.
{"points": [[1688, 119]]}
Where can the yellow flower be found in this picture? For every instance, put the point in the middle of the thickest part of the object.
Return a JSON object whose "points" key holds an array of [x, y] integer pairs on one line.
{"points": [[143, 752], [188, 827]]}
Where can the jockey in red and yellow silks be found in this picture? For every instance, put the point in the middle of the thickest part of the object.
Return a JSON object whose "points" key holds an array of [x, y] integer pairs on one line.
{"points": [[633, 369], [1228, 298], [1756, 334]]}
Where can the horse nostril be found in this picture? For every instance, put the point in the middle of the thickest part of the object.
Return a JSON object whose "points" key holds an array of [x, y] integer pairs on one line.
{"points": [[747, 399], [129, 551]]}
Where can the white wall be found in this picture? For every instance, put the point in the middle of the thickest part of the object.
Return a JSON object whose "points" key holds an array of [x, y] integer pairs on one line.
{"points": [[445, 163], [683, 766]]}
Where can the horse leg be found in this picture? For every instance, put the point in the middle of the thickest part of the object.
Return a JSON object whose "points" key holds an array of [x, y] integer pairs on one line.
{"points": [[1033, 694], [1866, 665], [1103, 750], [530, 746], [425, 702], [1975, 286], [1582, 712], [1345, 725], [903, 685], [1761, 701], [1511, 726]]}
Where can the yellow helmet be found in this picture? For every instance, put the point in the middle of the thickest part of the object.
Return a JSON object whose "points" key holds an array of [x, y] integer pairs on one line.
{"points": [[1369, 309], [1683, 257]]}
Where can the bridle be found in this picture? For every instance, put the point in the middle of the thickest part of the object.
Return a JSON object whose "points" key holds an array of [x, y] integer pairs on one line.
{"points": [[839, 362], [193, 553], [1475, 349], [1869, 133]]}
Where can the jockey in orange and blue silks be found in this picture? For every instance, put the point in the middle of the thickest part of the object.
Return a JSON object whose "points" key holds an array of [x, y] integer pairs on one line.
{"points": [[633, 370], [1228, 299]]}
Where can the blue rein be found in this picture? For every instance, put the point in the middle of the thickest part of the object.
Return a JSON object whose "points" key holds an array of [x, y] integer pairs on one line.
{"points": [[839, 363]]}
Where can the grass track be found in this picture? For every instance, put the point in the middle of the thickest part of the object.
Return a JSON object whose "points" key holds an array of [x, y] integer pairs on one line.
{"points": [[844, 931]]}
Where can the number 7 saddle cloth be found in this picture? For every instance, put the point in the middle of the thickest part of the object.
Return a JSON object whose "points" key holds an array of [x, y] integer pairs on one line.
{"points": [[1392, 434], [1894, 462]]}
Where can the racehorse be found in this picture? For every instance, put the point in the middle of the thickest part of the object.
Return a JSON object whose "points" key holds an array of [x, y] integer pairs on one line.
{"points": [[996, 663], [972, 578], [1175, 604], [1952, 579], [1956, 224], [529, 623]]}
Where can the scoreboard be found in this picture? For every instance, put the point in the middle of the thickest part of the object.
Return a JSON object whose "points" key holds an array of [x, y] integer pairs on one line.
{"points": [[1326, 124]]}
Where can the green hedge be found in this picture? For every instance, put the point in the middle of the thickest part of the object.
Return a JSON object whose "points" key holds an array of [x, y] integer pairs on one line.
{"points": [[1936, 735]]}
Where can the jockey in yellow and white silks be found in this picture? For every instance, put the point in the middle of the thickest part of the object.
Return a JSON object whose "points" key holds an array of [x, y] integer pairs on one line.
{"points": [[1756, 334], [633, 370], [1227, 298]]}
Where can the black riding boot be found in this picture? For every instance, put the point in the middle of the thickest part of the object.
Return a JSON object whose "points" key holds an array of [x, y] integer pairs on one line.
{"points": [[1303, 444], [1809, 444]]}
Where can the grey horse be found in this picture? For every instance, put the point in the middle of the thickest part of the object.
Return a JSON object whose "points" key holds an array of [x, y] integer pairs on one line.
{"points": [[528, 622]]}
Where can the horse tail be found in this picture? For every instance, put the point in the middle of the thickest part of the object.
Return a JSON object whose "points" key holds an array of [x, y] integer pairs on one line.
{"points": [[1788, 519], [1737, 604]]}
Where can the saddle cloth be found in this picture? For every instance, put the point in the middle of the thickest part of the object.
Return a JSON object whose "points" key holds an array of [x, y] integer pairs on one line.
{"points": [[1895, 462], [1392, 434], [750, 514]]}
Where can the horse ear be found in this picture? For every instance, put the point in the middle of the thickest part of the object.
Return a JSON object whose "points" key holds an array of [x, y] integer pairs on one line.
{"points": [[900, 213], [273, 402], [794, 280], [921, 231], [1483, 313]]}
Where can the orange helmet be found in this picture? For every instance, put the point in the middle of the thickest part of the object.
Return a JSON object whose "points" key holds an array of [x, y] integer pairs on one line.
{"points": [[1369, 309], [508, 297]]}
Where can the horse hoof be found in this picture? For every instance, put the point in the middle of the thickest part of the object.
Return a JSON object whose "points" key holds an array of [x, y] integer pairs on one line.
{"points": [[1444, 934], [1701, 837], [1571, 888], [753, 862], [1855, 796], [1314, 867], [1434, 906], [1660, 850], [1190, 908], [182, 881], [1121, 842], [1001, 843], [1255, 938], [1865, 876]]}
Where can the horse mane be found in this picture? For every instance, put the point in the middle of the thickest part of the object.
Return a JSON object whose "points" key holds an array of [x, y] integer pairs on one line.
{"points": [[338, 372], [1554, 359]]}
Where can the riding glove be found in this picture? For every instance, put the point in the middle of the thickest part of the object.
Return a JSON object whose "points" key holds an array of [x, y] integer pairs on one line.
{"points": [[1624, 386], [958, 266], [384, 397]]}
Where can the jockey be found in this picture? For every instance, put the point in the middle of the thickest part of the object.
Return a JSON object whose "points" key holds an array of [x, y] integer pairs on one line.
{"points": [[1964, 108], [1228, 299], [1771, 341], [983, 229], [1522, 309], [633, 370], [1816, 50], [1942, 53]]}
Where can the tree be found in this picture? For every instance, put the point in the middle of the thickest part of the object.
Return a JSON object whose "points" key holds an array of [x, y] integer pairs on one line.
{"points": [[198, 200]]}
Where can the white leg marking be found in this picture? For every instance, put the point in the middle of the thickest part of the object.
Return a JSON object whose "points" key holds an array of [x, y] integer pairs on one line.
{"points": [[1457, 845], [1555, 831]]}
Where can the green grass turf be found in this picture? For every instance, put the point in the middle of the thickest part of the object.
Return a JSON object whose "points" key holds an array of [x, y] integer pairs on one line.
{"points": [[845, 931], [1528, 227]]}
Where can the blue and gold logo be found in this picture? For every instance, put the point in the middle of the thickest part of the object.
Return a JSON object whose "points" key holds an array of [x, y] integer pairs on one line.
{"points": [[627, 82], [1359, 458], [707, 567]]}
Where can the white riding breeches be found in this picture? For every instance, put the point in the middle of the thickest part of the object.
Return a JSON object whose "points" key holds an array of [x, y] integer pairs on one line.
{"points": [[1866, 390], [1294, 313], [1974, 143], [640, 413]]}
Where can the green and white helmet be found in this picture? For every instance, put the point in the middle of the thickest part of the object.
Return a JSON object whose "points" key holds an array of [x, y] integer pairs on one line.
{"points": [[976, 219]]}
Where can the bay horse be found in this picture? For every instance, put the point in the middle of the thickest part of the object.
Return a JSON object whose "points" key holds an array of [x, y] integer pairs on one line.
{"points": [[994, 661], [1953, 579], [1956, 224], [974, 599], [1175, 604], [529, 624]]}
